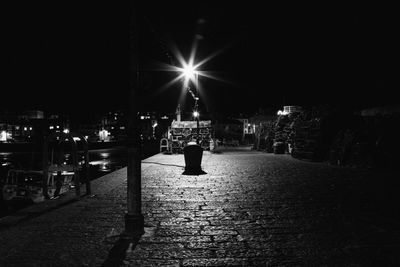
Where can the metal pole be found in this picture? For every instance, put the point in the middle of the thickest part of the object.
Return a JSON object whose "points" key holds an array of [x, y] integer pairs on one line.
{"points": [[45, 165], [198, 130], [197, 108], [134, 222]]}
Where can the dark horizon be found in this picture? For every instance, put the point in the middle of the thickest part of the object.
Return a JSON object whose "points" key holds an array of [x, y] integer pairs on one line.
{"points": [[74, 60]]}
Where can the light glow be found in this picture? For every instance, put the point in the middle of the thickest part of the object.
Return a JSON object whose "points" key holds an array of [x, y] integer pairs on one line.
{"points": [[3, 136], [189, 72]]}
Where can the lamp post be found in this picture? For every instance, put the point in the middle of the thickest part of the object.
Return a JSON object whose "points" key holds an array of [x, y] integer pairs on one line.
{"points": [[196, 114], [134, 220], [193, 152], [190, 74]]}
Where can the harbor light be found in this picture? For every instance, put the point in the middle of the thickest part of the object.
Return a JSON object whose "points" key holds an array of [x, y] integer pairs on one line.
{"points": [[3, 136]]}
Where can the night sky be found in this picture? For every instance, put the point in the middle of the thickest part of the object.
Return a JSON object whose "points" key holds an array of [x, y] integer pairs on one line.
{"points": [[73, 58]]}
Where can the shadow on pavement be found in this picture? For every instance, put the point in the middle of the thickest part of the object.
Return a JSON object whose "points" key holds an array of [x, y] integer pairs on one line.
{"points": [[118, 252], [158, 163]]}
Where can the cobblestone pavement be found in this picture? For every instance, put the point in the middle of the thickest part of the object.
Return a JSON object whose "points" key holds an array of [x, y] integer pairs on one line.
{"points": [[250, 209], [257, 209]]}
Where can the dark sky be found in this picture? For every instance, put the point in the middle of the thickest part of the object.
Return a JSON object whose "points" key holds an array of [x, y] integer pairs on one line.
{"points": [[73, 58]]}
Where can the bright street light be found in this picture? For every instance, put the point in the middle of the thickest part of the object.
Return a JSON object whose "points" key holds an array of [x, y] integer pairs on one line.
{"points": [[196, 114], [189, 71]]}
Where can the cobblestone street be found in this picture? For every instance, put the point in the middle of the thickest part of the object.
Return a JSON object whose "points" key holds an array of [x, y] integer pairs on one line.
{"points": [[250, 209], [257, 209]]}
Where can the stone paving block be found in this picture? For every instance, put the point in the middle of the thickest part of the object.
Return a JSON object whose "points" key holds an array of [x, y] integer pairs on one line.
{"points": [[151, 263], [216, 262], [178, 231]]}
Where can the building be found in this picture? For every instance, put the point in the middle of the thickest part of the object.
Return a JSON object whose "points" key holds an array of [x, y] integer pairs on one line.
{"points": [[23, 126]]}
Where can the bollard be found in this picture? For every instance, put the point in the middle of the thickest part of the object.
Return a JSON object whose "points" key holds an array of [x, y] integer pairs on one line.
{"points": [[193, 154]]}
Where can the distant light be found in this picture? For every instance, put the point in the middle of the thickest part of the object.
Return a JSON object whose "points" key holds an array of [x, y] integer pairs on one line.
{"points": [[30, 128], [16, 127], [112, 127], [142, 117], [280, 112], [122, 127], [3, 136], [58, 127], [105, 155], [155, 125], [51, 127], [86, 137], [196, 114], [25, 128], [104, 135], [76, 138], [66, 131], [164, 117]]}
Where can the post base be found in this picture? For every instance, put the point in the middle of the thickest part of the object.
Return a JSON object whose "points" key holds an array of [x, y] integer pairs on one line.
{"points": [[134, 225], [193, 171]]}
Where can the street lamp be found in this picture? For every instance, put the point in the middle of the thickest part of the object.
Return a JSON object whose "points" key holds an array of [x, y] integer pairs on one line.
{"points": [[190, 73], [193, 153], [196, 114]]}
